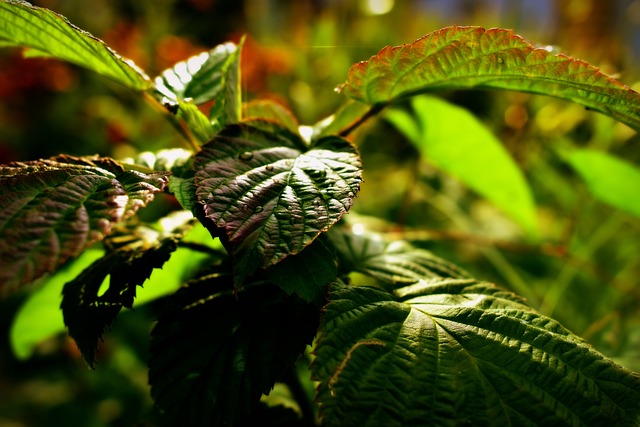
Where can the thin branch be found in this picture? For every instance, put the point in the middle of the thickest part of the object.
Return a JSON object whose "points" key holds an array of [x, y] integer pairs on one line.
{"points": [[374, 110]]}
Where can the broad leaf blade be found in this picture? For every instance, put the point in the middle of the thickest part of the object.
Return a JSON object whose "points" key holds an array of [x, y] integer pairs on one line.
{"points": [[455, 352], [393, 262], [271, 193], [611, 180], [52, 35], [51, 210], [131, 257], [269, 110], [472, 57], [456, 142], [40, 317], [209, 76], [215, 352]]}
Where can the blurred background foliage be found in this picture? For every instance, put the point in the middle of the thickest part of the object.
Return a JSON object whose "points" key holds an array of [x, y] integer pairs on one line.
{"points": [[582, 270]]}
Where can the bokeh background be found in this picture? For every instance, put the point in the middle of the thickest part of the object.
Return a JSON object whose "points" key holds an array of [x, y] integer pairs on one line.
{"points": [[583, 271]]}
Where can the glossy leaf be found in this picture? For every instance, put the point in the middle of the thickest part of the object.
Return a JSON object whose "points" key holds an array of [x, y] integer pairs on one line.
{"points": [[393, 262], [460, 352], [129, 261], [610, 180], [458, 143], [270, 193], [214, 352], [472, 57], [209, 76], [51, 210], [46, 33]]}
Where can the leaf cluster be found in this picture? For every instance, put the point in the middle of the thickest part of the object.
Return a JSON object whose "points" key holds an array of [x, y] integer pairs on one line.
{"points": [[403, 336]]}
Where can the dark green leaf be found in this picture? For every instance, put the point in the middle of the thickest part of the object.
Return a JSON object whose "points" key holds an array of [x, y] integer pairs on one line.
{"points": [[131, 256], [446, 135], [394, 262], [308, 273], [460, 352], [51, 210], [271, 193], [209, 76], [472, 57], [609, 179], [46, 33], [215, 352]]}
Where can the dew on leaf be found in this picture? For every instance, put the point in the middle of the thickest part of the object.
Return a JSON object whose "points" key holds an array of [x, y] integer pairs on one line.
{"points": [[269, 167], [247, 155]]}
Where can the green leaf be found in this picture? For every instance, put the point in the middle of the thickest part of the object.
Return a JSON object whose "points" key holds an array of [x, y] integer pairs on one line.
{"points": [[472, 57], [51, 210], [40, 317], [456, 142], [393, 262], [270, 193], [214, 352], [209, 76], [199, 125], [347, 116], [131, 257], [460, 352], [266, 109], [44, 32], [611, 180], [308, 273]]}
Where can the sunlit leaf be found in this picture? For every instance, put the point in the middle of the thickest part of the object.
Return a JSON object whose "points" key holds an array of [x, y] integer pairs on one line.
{"points": [[266, 109], [199, 125], [610, 179], [272, 194], [393, 262], [346, 116], [47, 33], [460, 352], [209, 76], [216, 378], [472, 57], [40, 317], [455, 141], [131, 257], [51, 210]]}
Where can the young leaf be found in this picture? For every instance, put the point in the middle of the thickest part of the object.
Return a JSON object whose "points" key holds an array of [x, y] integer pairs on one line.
{"points": [[129, 261], [51, 210], [266, 109], [215, 352], [46, 33], [472, 57], [611, 180], [271, 193], [213, 75], [455, 141], [308, 273], [393, 262], [460, 352]]}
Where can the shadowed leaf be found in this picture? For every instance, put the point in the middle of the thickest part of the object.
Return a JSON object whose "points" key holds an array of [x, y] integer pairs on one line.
{"points": [[51, 210], [460, 352], [250, 337], [472, 57], [271, 193], [131, 256], [46, 33]]}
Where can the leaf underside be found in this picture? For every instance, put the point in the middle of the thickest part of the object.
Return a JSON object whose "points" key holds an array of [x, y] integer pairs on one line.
{"points": [[45, 33], [271, 193], [214, 352], [456, 352], [51, 210], [473, 57]]}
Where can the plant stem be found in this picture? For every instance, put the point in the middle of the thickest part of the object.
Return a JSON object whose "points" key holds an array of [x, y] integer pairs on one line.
{"points": [[374, 110]]}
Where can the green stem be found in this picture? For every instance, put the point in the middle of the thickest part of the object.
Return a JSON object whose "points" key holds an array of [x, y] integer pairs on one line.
{"points": [[374, 110]]}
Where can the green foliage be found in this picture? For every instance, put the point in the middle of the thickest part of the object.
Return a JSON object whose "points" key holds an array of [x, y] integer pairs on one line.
{"points": [[404, 336]]}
